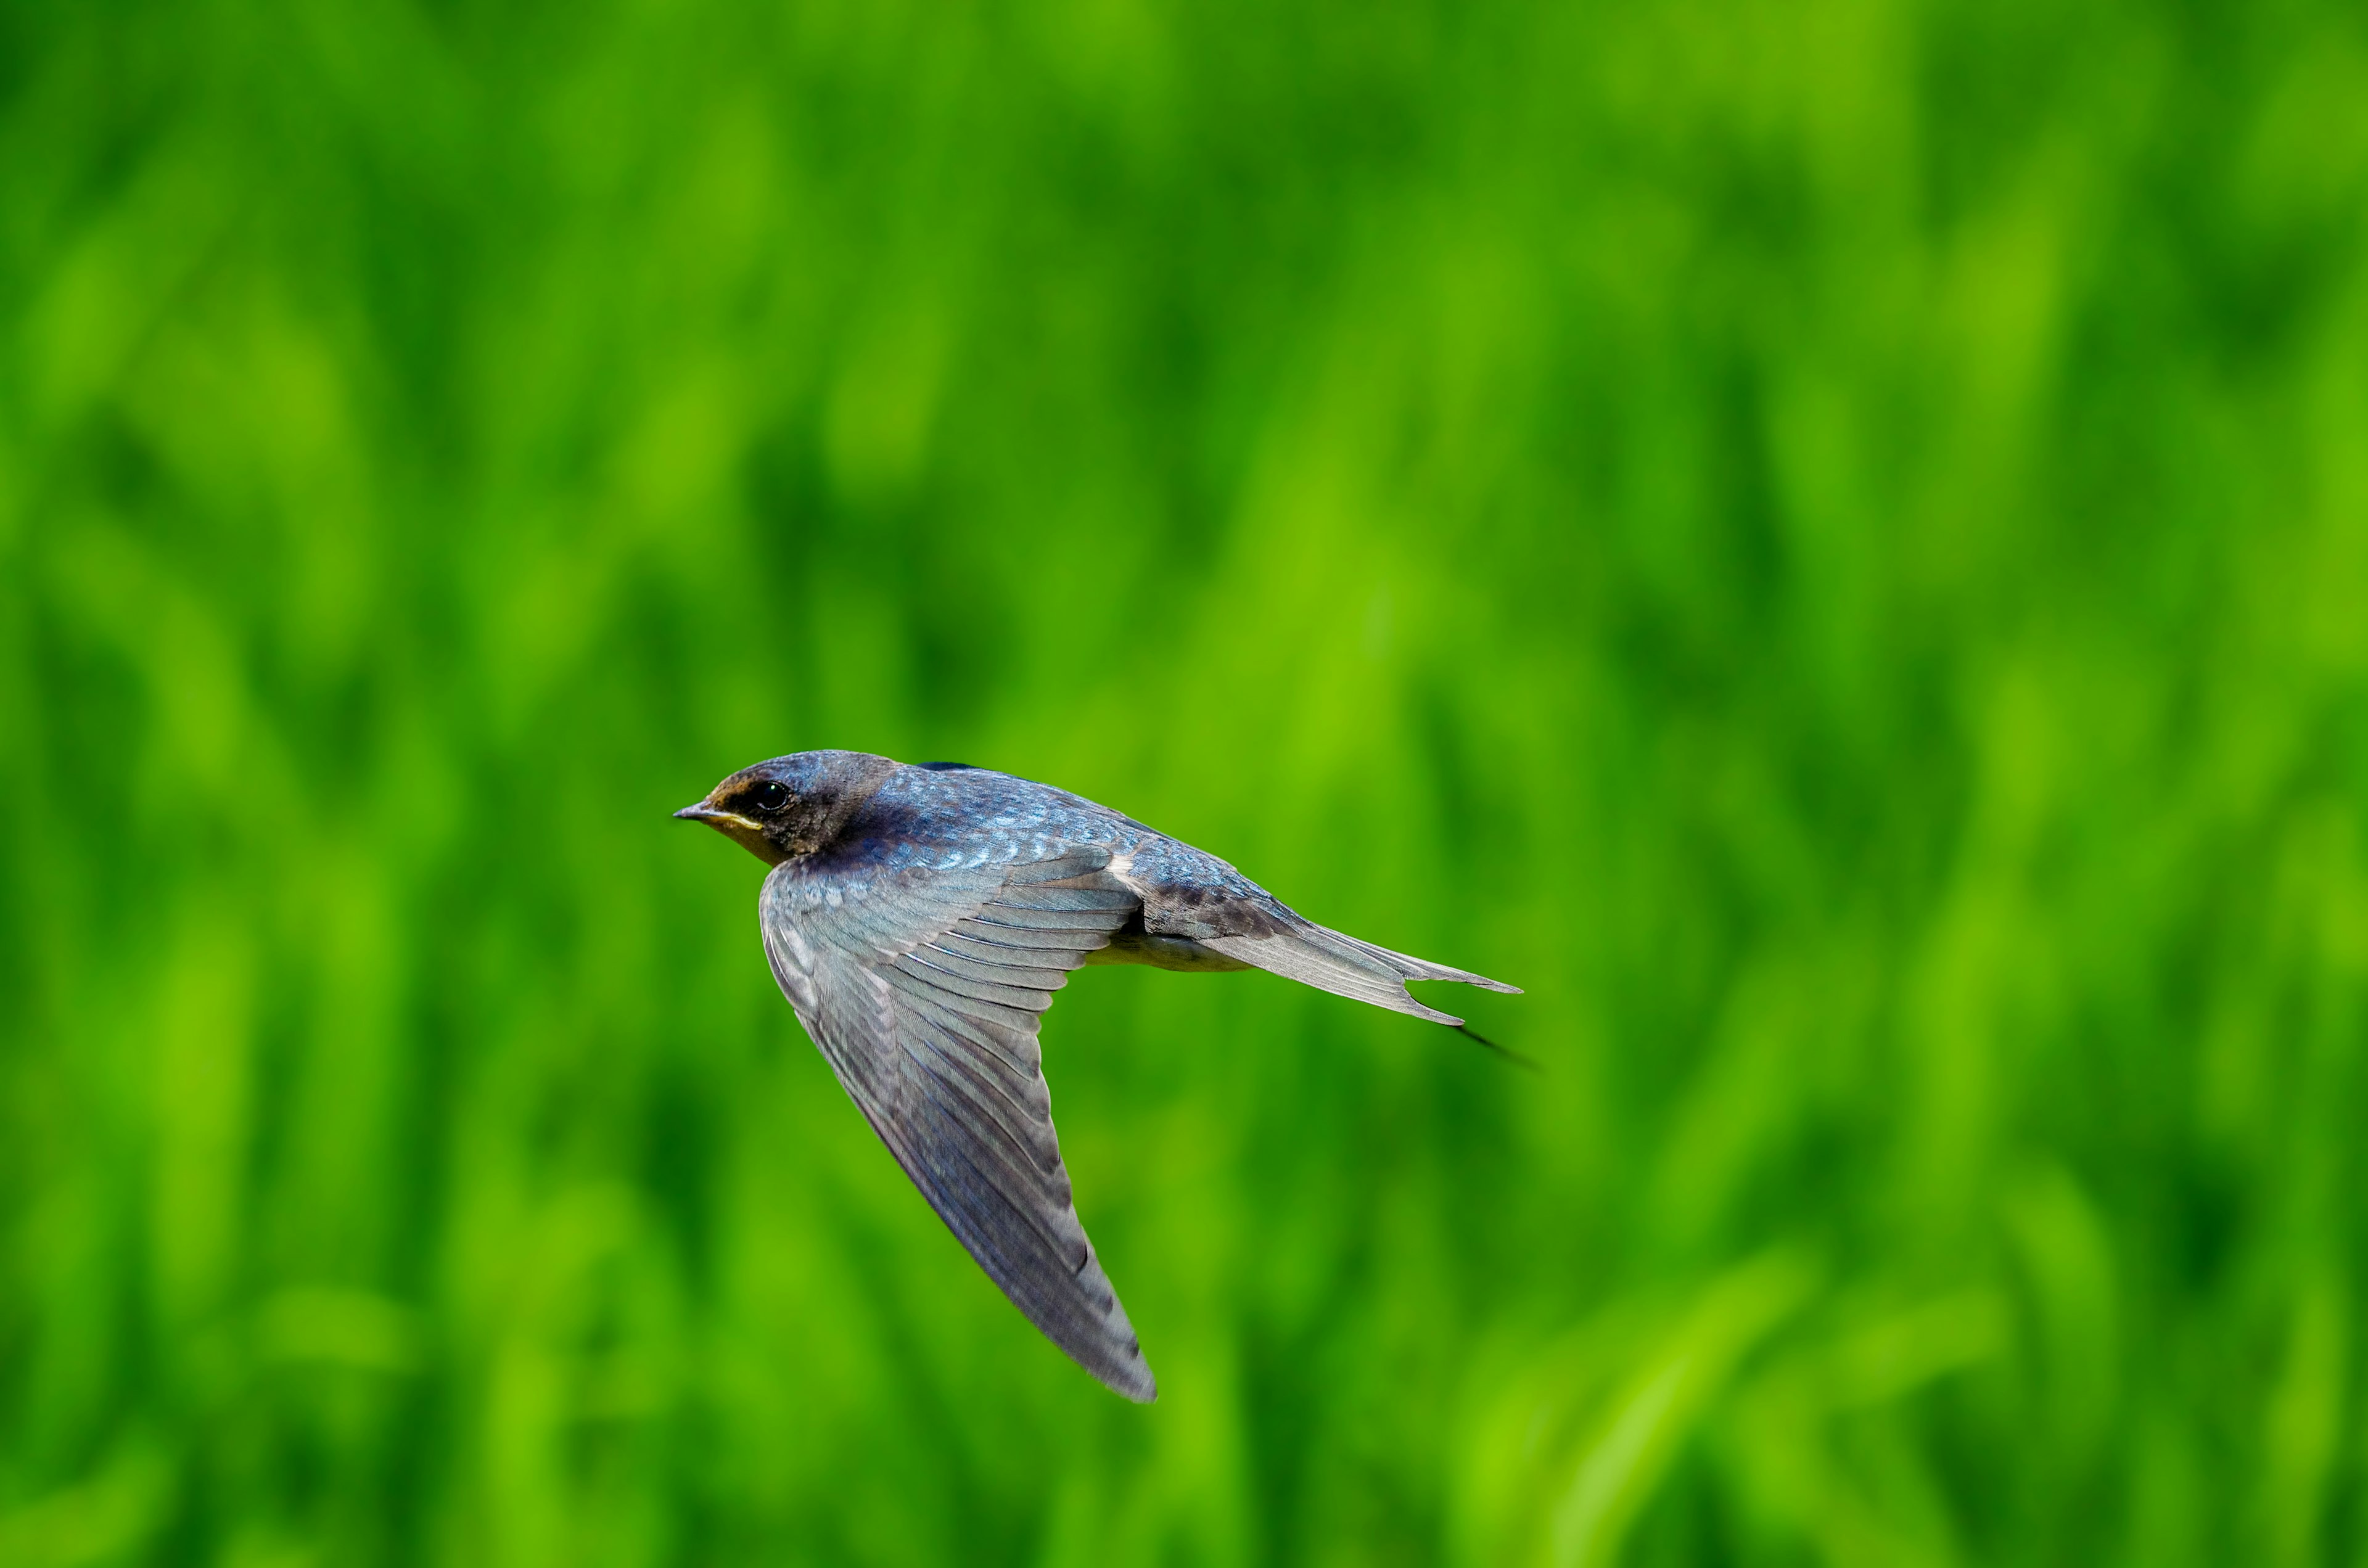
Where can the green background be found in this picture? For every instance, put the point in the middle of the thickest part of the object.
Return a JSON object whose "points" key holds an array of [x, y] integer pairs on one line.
{"points": [[1828, 541]]}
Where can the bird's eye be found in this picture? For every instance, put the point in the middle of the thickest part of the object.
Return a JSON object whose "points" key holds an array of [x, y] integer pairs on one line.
{"points": [[770, 797]]}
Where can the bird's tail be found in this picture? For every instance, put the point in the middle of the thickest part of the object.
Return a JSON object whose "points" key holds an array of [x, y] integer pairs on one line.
{"points": [[1336, 961]]}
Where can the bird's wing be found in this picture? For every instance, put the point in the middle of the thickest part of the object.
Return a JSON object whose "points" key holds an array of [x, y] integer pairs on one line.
{"points": [[923, 987]]}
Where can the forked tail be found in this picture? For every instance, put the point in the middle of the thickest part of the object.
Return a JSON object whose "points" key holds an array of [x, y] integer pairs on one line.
{"points": [[1336, 961]]}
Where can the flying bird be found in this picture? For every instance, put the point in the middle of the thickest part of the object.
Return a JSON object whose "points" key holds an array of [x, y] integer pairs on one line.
{"points": [[920, 919]]}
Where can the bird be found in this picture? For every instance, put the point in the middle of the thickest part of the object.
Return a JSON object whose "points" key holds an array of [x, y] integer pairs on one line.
{"points": [[919, 917]]}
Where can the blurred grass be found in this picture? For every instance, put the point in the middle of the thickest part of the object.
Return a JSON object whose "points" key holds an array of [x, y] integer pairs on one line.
{"points": [[1830, 543]]}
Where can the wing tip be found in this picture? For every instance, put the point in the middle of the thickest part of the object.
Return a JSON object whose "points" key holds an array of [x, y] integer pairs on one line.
{"points": [[1135, 1384]]}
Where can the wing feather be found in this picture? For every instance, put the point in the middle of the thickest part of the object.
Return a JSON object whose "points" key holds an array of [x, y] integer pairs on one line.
{"points": [[923, 987], [1009, 969], [1044, 918], [1017, 944], [1046, 900], [938, 973]]}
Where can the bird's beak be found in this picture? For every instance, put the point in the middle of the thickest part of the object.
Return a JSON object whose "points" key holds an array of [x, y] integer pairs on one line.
{"points": [[723, 822], [746, 832]]}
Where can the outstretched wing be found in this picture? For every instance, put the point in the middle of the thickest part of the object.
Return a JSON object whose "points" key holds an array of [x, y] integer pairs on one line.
{"points": [[923, 987]]}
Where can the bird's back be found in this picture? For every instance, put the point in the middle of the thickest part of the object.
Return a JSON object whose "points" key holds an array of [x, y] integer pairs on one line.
{"points": [[948, 813]]}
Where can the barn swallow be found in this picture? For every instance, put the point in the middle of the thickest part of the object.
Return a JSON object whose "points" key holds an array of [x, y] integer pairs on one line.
{"points": [[920, 919]]}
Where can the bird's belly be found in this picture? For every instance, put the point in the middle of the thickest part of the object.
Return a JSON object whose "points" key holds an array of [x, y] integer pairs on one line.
{"points": [[1162, 952]]}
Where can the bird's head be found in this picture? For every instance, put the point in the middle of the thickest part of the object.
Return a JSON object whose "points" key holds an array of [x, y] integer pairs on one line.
{"points": [[791, 805]]}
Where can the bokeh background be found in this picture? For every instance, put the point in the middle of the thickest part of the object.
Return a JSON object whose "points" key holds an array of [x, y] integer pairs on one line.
{"points": [[1828, 541]]}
